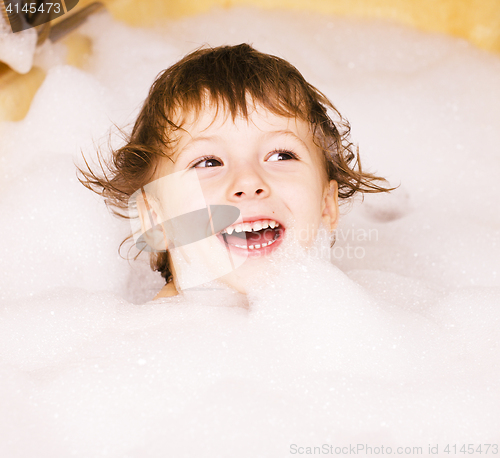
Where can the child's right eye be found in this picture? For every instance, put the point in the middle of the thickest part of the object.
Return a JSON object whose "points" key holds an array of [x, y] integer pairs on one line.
{"points": [[207, 161]]}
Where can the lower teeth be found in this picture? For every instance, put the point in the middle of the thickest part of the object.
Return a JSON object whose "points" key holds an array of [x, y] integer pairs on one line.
{"points": [[254, 247]]}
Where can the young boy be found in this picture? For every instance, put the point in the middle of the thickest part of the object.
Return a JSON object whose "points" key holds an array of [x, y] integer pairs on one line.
{"points": [[237, 143]]}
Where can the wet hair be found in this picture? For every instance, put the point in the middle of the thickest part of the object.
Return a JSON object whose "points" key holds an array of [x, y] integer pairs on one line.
{"points": [[231, 77]]}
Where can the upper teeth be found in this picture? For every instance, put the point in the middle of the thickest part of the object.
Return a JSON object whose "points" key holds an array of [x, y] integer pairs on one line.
{"points": [[248, 227]]}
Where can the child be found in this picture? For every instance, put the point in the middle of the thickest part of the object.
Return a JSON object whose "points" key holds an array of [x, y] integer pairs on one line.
{"points": [[237, 143]]}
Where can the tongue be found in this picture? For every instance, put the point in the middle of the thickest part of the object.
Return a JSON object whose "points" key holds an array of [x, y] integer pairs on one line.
{"points": [[251, 238]]}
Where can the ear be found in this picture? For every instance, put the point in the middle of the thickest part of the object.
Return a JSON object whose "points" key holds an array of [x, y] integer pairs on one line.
{"points": [[330, 215], [150, 216]]}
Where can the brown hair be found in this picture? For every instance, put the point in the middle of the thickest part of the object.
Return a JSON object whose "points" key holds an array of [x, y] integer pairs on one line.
{"points": [[229, 76]]}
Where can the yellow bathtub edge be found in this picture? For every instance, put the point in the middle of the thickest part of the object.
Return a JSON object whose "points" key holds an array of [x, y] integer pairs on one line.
{"points": [[476, 20]]}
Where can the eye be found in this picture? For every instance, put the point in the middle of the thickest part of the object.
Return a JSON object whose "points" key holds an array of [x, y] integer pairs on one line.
{"points": [[281, 155], [207, 161]]}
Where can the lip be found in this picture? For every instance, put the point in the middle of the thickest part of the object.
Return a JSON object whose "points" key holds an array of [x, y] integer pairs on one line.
{"points": [[256, 252], [251, 219]]}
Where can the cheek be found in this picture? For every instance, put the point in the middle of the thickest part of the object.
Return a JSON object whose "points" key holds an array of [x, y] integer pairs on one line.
{"points": [[308, 206]]}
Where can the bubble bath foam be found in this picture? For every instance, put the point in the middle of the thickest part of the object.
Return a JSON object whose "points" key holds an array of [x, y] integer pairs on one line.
{"points": [[390, 339]]}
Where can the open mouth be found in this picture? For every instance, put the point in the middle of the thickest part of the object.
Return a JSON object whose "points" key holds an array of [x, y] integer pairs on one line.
{"points": [[260, 236]]}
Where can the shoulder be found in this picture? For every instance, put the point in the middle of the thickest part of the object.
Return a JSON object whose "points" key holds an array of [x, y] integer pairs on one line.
{"points": [[167, 291]]}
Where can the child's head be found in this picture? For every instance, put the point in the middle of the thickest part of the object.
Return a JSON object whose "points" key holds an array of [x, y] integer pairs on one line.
{"points": [[257, 136]]}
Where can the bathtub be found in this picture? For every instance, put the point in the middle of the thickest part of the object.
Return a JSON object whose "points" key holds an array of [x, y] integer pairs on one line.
{"points": [[388, 341]]}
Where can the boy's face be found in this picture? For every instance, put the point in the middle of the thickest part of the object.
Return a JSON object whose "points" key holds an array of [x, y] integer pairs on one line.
{"points": [[270, 169]]}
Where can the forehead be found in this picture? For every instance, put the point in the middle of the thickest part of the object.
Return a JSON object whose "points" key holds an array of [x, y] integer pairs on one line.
{"points": [[215, 121]]}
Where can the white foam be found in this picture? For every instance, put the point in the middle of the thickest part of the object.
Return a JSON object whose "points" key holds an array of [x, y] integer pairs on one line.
{"points": [[395, 344], [17, 49]]}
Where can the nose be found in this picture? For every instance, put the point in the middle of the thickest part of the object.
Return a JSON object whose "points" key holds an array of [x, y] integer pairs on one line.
{"points": [[248, 183]]}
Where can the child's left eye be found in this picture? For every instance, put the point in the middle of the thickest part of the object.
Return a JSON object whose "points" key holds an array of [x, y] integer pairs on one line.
{"points": [[281, 155]]}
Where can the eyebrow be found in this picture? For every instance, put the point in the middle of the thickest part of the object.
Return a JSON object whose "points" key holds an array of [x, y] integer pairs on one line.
{"points": [[203, 138], [196, 140], [288, 133]]}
